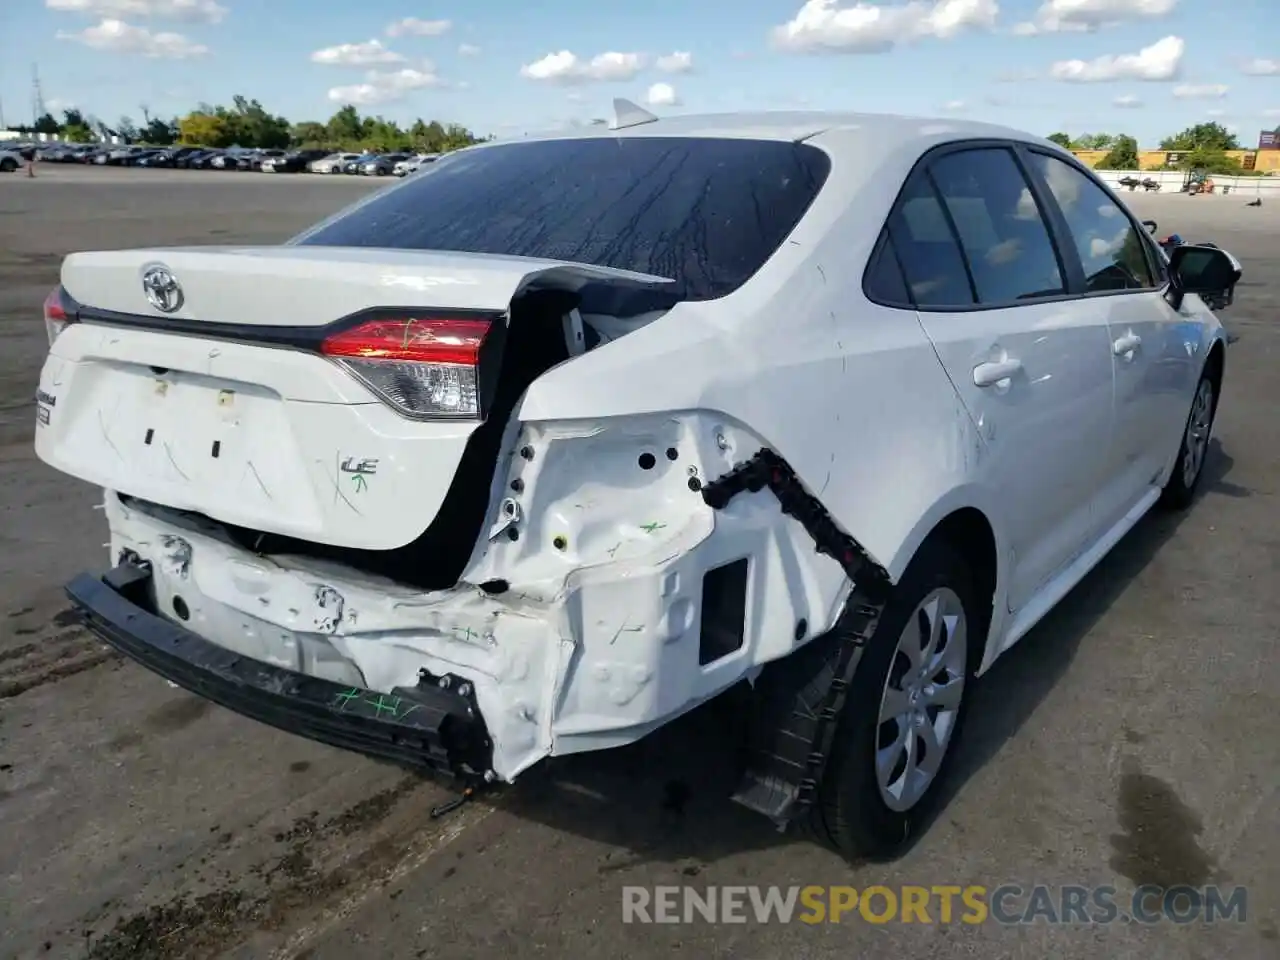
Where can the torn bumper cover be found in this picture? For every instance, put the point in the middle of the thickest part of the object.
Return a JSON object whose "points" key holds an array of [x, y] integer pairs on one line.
{"points": [[435, 725]]}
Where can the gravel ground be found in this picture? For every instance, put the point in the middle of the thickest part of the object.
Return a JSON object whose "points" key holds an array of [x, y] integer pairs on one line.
{"points": [[1130, 739]]}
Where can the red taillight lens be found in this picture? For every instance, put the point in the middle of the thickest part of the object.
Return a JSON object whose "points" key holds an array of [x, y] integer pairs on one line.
{"points": [[56, 316], [424, 367]]}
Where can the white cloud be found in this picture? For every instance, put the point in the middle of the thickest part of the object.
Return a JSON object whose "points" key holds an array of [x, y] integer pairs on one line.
{"points": [[468, 50], [119, 37], [413, 27], [387, 87], [356, 55], [1215, 113], [190, 11], [1160, 61], [1261, 68], [955, 106], [1080, 16], [1127, 101], [662, 95], [1204, 91], [678, 62], [566, 67], [823, 26]]}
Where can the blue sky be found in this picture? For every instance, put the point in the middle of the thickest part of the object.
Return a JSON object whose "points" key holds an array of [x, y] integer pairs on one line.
{"points": [[1147, 67]]}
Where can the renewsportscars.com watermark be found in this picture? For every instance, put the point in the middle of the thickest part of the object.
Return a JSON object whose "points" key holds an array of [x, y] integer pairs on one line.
{"points": [[1008, 904]]}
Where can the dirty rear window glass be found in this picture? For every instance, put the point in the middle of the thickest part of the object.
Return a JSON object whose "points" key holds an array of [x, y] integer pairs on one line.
{"points": [[704, 212]]}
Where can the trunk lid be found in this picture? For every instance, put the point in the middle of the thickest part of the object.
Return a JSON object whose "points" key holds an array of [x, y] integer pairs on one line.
{"points": [[194, 409]]}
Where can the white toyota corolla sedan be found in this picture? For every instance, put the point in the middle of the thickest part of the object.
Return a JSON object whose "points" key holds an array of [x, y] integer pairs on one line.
{"points": [[532, 453]]}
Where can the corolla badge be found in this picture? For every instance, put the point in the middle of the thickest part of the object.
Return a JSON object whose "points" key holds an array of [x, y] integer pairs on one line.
{"points": [[162, 288]]}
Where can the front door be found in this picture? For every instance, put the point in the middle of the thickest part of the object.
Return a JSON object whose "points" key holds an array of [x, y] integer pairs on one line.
{"points": [[1155, 369]]}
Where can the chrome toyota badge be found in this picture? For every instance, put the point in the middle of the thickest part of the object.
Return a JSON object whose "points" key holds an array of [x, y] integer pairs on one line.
{"points": [[162, 288]]}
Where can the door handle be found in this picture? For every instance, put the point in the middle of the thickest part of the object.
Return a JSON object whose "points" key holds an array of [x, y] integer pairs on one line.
{"points": [[993, 372], [1126, 344]]}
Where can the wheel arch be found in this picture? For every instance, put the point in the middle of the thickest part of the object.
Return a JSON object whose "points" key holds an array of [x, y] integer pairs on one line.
{"points": [[963, 521]]}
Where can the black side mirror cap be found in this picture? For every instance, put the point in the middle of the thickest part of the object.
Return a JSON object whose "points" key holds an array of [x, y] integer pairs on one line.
{"points": [[1205, 270], [1151, 226]]}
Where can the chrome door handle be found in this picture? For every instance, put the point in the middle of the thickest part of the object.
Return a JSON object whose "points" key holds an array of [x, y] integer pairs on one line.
{"points": [[1126, 344], [994, 372]]}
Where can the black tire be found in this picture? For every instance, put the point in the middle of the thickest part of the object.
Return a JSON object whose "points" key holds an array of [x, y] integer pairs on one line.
{"points": [[851, 814], [1180, 489], [8, 165]]}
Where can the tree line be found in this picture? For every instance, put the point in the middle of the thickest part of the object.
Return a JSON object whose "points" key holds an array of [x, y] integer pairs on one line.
{"points": [[246, 123], [1203, 146]]}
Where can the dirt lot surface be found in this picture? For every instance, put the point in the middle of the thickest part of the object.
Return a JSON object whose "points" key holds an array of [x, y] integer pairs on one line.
{"points": [[1130, 739]]}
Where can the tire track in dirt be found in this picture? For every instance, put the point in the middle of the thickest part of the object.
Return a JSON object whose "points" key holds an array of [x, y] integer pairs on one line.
{"points": [[67, 651], [314, 865]]}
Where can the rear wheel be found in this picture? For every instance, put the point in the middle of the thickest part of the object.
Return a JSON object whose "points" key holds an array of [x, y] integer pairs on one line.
{"points": [[904, 711], [8, 165], [1180, 489]]}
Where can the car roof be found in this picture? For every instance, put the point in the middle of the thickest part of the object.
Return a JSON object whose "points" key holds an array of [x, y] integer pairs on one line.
{"points": [[888, 133]]}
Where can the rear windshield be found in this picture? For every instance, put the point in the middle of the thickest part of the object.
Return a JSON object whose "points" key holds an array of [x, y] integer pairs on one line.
{"points": [[706, 213]]}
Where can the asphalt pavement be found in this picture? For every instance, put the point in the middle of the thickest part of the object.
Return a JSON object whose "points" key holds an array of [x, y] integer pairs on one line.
{"points": [[1130, 739]]}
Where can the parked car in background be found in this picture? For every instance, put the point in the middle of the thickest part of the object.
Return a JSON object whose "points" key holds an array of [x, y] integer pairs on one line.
{"points": [[295, 161], [200, 160], [414, 163], [354, 166], [453, 524], [333, 163], [10, 160], [383, 166]]}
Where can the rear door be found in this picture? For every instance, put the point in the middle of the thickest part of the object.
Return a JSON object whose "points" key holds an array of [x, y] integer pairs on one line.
{"points": [[1155, 371], [1030, 362]]}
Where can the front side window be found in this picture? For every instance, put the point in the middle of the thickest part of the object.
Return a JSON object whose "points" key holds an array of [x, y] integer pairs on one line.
{"points": [[706, 213], [1112, 251]]}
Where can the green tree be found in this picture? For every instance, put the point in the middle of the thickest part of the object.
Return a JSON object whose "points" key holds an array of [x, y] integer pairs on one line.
{"points": [[1061, 139], [203, 129], [160, 132], [1095, 141], [1122, 156], [309, 133], [345, 126], [47, 124], [1202, 136], [127, 131], [73, 118]]}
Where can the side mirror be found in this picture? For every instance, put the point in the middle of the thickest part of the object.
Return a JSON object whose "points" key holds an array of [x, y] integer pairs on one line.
{"points": [[1151, 226], [1205, 270]]}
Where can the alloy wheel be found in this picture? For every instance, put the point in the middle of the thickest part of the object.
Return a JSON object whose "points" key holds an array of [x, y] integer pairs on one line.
{"points": [[921, 699], [1196, 443]]}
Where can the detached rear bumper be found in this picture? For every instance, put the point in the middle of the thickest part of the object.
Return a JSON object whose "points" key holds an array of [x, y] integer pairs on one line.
{"points": [[426, 726]]}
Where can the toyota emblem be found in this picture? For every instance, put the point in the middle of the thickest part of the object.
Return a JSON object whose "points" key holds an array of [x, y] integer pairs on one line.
{"points": [[162, 289]]}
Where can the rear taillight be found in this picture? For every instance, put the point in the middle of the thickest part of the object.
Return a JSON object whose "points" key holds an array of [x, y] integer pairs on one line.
{"points": [[58, 312], [424, 367]]}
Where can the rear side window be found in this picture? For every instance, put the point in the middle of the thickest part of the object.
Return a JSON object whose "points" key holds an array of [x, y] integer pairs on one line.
{"points": [[704, 212], [931, 259], [1005, 240], [1112, 250], [885, 282]]}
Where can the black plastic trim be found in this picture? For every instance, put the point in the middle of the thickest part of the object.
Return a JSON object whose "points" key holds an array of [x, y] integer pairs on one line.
{"points": [[790, 744], [426, 727]]}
